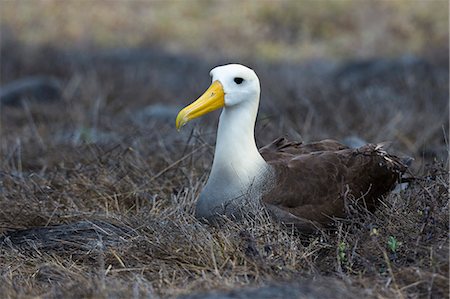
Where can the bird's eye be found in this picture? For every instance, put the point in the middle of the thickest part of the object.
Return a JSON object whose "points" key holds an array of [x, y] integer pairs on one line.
{"points": [[238, 80]]}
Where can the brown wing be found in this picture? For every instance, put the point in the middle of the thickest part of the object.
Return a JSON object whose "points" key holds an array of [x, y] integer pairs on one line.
{"points": [[314, 180], [282, 148]]}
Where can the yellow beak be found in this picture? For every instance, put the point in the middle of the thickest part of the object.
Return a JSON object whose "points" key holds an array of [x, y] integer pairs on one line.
{"points": [[212, 99]]}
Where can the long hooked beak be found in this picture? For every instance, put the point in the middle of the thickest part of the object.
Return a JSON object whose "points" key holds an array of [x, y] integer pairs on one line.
{"points": [[212, 99]]}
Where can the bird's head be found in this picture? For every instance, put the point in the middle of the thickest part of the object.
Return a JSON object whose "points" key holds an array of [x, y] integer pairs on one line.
{"points": [[232, 85]]}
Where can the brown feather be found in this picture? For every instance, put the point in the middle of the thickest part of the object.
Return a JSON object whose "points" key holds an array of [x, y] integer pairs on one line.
{"points": [[314, 180]]}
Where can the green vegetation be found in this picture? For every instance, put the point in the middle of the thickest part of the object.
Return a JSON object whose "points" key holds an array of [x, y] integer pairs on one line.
{"points": [[342, 247], [393, 244]]}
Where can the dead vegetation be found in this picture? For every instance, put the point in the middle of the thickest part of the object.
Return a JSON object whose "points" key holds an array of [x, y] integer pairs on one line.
{"points": [[274, 31], [96, 197]]}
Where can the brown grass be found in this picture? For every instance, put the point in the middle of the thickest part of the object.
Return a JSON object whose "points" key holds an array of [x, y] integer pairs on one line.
{"points": [[97, 193], [271, 30], [124, 185]]}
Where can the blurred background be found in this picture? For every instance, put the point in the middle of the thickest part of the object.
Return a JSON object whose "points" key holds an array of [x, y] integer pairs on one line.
{"points": [[320, 59], [373, 70], [289, 31], [89, 92]]}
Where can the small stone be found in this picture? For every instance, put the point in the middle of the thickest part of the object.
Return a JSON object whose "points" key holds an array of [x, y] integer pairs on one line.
{"points": [[41, 89]]}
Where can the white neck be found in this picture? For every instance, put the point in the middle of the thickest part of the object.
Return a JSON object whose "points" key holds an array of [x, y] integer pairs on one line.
{"points": [[238, 165], [236, 157]]}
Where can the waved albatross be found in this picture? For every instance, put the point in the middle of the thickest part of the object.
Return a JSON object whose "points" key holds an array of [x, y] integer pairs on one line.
{"points": [[300, 184]]}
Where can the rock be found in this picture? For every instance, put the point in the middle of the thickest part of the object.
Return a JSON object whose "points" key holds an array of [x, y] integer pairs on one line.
{"points": [[363, 72], [87, 135], [158, 112], [82, 235], [354, 141], [400, 187], [42, 89], [321, 288]]}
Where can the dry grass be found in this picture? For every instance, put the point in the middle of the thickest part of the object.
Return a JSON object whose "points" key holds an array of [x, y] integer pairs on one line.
{"points": [[272, 30], [125, 184], [97, 191]]}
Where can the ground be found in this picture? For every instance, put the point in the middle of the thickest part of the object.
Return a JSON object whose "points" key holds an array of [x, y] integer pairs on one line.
{"points": [[97, 188]]}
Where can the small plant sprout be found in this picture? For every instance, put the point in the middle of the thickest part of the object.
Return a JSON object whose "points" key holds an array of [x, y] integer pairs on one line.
{"points": [[374, 232], [341, 252], [393, 244]]}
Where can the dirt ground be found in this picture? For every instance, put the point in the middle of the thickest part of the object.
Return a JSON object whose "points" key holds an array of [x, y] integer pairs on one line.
{"points": [[98, 189]]}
